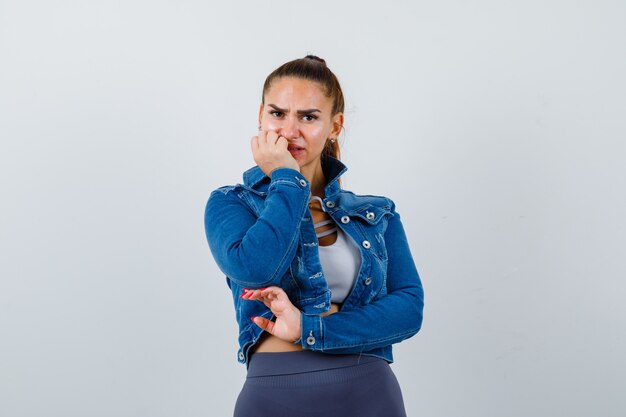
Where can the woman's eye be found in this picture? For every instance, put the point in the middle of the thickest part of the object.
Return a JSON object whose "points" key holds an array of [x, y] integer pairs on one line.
{"points": [[309, 117]]}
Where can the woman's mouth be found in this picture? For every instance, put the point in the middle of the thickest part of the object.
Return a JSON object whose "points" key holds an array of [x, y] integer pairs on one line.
{"points": [[295, 150]]}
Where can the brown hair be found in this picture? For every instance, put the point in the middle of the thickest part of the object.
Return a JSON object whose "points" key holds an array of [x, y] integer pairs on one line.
{"points": [[312, 68]]}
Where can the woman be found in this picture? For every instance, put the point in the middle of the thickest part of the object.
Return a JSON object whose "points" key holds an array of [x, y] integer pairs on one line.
{"points": [[323, 280]]}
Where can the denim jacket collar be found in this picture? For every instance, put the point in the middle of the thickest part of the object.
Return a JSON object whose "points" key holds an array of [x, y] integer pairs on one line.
{"points": [[255, 179]]}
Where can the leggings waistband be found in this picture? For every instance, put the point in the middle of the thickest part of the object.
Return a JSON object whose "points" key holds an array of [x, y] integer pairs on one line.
{"points": [[286, 363]]}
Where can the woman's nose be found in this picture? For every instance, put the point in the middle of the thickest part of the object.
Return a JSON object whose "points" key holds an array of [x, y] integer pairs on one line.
{"points": [[290, 129]]}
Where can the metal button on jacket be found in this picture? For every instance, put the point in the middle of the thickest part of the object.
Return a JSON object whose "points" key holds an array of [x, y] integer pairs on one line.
{"points": [[310, 340], [370, 215], [303, 182], [366, 244], [330, 204], [345, 219], [368, 280], [241, 357]]}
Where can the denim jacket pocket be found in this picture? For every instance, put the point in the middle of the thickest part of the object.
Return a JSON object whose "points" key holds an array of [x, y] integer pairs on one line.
{"points": [[372, 224], [370, 213]]}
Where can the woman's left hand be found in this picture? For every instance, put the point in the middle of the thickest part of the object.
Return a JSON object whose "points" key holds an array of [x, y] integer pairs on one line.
{"points": [[287, 324]]}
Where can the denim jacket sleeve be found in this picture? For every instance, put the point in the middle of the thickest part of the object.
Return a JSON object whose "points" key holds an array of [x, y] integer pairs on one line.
{"points": [[255, 251], [389, 319]]}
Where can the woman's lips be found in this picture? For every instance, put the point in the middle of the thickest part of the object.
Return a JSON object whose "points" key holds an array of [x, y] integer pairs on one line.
{"points": [[295, 150]]}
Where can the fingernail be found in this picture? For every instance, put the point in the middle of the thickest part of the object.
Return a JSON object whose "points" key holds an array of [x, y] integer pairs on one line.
{"points": [[245, 289], [264, 288], [252, 318]]}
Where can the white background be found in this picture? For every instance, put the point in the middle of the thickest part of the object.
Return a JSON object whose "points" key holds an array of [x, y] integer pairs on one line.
{"points": [[497, 127]]}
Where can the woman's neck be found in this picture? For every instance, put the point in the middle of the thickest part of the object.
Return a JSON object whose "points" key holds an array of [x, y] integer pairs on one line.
{"points": [[315, 175]]}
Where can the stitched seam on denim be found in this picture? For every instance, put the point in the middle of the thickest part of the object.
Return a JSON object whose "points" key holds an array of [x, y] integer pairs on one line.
{"points": [[225, 189], [376, 341], [295, 284], [287, 182], [308, 299], [321, 330]]}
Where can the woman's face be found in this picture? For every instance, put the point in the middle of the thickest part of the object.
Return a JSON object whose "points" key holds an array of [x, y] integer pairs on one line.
{"points": [[299, 111]]}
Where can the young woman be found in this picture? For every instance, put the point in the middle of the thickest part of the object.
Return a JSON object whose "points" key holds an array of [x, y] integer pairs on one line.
{"points": [[323, 280]]}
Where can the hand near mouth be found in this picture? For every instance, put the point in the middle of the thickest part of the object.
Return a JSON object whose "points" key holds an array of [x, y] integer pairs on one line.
{"points": [[271, 151]]}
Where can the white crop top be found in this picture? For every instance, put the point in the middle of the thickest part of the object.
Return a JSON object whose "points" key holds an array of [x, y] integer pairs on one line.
{"points": [[340, 262]]}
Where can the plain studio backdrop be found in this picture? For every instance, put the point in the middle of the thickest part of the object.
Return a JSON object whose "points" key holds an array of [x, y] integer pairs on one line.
{"points": [[498, 128]]}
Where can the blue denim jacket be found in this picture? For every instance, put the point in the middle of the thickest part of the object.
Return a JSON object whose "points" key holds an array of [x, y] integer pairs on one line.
{"points": [[261, 233]]}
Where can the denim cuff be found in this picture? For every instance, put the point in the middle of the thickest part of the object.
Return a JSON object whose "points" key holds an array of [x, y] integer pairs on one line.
{"points": [[311, 325], [288, 176]]}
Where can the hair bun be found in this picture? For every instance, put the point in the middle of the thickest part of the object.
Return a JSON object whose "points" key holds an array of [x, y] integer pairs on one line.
{"points": [[315, 58]]}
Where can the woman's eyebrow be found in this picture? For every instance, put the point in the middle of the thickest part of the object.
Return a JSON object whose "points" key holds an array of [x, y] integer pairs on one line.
{"points": [[306, 111]]}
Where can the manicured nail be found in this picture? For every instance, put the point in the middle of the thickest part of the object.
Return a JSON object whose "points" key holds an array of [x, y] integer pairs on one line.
{"points": [[252, 318], [264, 288]]}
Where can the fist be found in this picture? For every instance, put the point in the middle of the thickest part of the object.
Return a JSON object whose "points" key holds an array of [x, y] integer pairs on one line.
{"points": [[269, 151]]}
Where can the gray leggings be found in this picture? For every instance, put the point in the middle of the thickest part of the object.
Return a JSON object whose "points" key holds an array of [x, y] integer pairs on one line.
{"points": [[306, 383]]}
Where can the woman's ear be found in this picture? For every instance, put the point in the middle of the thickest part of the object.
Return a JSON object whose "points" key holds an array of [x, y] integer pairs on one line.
{"points": [[337, 122], [260, 115]]}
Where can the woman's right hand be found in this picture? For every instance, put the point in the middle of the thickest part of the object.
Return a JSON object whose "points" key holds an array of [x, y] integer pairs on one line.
{"points": [[287, 323], [269, 151]]}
